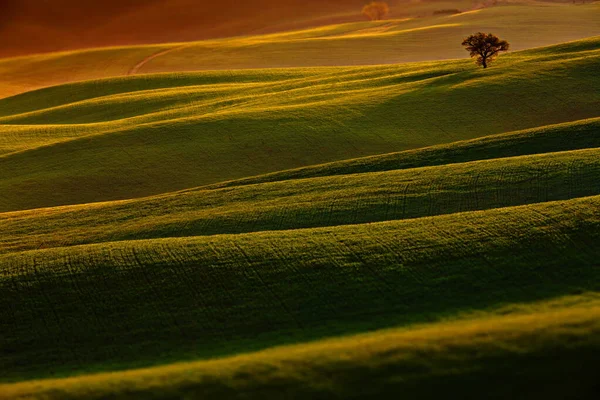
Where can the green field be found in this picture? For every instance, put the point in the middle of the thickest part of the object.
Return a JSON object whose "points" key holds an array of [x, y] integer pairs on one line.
{"points": [[419, 230], [547, 350], [317, 202], [130, 137], [207, 296]]}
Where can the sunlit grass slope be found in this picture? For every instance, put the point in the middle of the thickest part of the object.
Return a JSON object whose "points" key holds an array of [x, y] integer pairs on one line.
{"points": [[135, 303], [139, 136], [306, 203], [548, 350], [210, 217], [395, 41], [359, 43], [546, 139]]}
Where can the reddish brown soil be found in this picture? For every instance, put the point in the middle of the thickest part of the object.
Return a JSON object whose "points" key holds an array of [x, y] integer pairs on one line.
{"points": [[33, 26]]}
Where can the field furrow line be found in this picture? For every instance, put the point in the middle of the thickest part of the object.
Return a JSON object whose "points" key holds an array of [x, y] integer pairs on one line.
{"points": [[279, 299], [49, 303], [85, 299], [180, 270], [133, 263], [365, 264]]}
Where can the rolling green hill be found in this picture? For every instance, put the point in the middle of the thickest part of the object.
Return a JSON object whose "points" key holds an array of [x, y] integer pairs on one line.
{"points": [[418, 229], [123, 138], [548, 350], [207, 296], [547, 139], [215, 295], [316, 202]]}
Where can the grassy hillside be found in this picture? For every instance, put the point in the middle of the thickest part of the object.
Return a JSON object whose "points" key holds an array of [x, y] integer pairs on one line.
{"points": [[307, 203], [79, 307], [548, 350], [331, 230], [417, 38], [547, 139], [124, 138]]}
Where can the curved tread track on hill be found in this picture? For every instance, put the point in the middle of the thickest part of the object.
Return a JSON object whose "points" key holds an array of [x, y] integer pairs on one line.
{"points": [[135, 69]]}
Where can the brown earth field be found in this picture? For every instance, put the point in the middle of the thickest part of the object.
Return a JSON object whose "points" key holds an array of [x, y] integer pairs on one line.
{"points": [[33, 26], [39, 26]]}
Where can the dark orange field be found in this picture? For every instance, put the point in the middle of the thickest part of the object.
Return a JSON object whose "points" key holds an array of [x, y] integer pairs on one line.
{"points": [[32, 26]]}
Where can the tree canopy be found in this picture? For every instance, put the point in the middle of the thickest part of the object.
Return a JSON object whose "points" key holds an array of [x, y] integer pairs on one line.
{"points": [[484, 47]]}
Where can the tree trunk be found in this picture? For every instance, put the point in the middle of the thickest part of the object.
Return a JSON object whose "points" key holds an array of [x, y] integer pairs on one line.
{"points": [[484, 62]]}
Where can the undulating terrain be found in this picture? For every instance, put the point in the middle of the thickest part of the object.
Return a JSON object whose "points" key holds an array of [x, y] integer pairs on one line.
{"points": [[413, 35], [306, 214]]}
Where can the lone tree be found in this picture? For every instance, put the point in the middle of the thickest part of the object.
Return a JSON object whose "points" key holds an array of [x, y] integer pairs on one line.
{"points": [[376, 10], [485, 47]]}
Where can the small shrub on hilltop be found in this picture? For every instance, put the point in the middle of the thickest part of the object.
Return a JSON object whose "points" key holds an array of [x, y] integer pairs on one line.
{"points": [[447, 11], [376, 10]]}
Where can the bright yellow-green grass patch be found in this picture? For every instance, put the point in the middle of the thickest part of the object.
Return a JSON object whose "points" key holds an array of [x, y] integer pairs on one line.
{"points": [[130, 137]]}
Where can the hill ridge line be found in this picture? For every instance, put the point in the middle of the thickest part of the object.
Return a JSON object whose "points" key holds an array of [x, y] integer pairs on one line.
{"points": [[228, 185], [572, 318], [331, 228]]}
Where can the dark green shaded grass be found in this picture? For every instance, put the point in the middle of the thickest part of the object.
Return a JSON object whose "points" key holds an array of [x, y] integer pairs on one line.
{"points": [[539, 354], [546, 139], [316, 202], [126, 304]]}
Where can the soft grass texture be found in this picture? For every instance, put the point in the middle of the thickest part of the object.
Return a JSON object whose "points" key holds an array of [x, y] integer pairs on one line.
{"points": [[323, 201], [384, 42], [466, 242], [124, 138], [546, 350], [546, 139], [80, 308]]}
